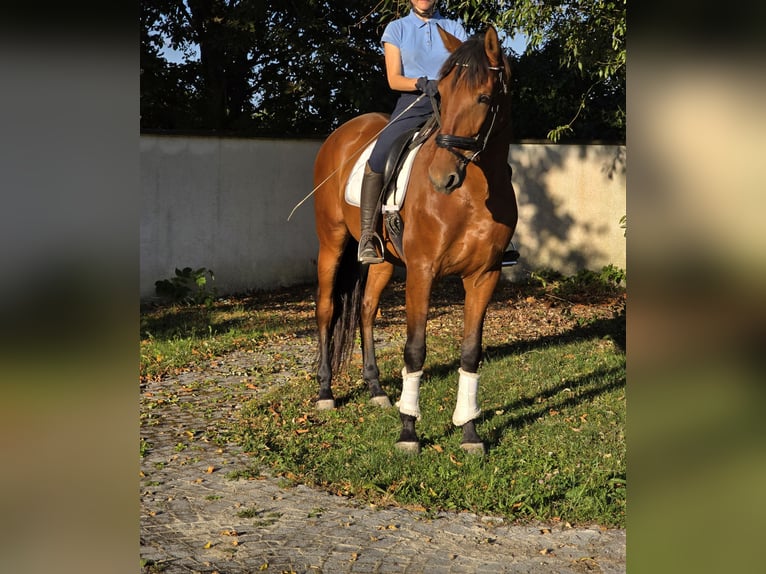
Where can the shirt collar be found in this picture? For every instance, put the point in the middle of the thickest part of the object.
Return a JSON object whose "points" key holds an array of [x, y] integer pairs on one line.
{"points": [[420, 23]]}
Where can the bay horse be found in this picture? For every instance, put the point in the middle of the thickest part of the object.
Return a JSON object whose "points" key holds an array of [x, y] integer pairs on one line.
{"points": [[458, 216]]}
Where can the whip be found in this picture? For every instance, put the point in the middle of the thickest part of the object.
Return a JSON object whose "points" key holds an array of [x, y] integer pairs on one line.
{"points": [[302, 201]]}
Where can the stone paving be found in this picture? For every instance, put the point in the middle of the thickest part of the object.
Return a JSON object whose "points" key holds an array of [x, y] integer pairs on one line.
{"points": [[196, 518]]}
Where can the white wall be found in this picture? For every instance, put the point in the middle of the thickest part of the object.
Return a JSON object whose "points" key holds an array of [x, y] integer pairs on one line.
{"points": [[223, 203]]}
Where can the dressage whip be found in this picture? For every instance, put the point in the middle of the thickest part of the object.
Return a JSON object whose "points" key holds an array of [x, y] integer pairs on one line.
{"points": [[302, 201]]}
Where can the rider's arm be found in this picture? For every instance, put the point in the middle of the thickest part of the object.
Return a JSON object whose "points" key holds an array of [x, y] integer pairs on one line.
{"points": [[396, 80]]}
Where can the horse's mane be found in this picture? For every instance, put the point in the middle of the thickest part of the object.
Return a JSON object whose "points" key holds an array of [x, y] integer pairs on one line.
{"points": [[471, 61]]}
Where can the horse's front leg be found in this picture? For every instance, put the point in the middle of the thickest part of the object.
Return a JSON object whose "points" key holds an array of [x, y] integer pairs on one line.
{"points": [[478, 293], [418, 294], [377, 279]]}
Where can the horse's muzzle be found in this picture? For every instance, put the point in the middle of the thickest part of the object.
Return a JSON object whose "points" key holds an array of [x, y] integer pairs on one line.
{"points": [[447, 181]]}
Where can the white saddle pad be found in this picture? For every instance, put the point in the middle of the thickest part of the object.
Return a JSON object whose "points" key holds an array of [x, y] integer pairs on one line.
{"points": [[393, 201]]}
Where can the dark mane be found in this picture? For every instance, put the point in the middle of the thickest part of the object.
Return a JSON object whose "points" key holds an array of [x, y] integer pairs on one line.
{"points": [[471, 60]]}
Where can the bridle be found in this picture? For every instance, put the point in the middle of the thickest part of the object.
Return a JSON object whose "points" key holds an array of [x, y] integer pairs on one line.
{"points": [[477, 143]]}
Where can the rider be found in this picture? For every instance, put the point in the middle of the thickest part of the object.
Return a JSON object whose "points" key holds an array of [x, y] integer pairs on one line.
{"points": [[414, 54]]}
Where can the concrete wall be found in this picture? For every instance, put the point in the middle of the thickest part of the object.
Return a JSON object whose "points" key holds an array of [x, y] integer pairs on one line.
{"points": [[571, 199], [223, 203]]}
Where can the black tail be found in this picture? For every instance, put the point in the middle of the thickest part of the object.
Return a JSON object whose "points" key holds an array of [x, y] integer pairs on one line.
{"points": [[347, 298]]}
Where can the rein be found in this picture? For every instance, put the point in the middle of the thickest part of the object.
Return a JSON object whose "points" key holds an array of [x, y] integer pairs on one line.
{"points": [[475, 144]]}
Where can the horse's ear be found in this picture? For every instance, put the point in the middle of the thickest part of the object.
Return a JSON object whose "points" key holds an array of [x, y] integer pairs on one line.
{"points": [[450, 42], [492, 47]]}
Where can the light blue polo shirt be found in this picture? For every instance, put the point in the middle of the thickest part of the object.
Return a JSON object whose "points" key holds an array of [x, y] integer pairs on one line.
{"points": [[422, 49]]}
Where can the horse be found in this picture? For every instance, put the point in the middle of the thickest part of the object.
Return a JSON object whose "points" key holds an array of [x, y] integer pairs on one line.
{"points": [[458, 216]]}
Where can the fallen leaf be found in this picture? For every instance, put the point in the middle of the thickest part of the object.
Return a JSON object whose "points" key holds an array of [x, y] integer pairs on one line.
{"points": [[251, 386], [208, 545], [210, 469], [438, 448], [545, 531], [454, 460], [546, 551]]}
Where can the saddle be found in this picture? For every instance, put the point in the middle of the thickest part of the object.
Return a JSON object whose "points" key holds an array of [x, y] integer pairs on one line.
{"points": [[398, 155]]}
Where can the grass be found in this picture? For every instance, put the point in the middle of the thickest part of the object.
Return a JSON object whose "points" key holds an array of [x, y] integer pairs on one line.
{"points": [[552, 394], [553, 427], [177, 336]]}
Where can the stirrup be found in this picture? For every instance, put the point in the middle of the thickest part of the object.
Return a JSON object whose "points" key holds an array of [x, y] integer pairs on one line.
{"points": [[510, 258], [370, 237]]}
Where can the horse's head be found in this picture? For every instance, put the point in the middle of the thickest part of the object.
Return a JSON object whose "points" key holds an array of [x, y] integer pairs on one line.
{"points": [[474, 88]]}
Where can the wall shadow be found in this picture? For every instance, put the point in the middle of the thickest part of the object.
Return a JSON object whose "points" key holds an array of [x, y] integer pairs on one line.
{"points": [[548, 220]]}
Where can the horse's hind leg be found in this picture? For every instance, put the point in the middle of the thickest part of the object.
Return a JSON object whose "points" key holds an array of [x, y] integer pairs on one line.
{"points": [[328, 261], [378, 277]]}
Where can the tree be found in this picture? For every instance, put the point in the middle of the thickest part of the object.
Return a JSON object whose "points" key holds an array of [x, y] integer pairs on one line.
{"points": [[302, 67], [585, 38], [264, 67]]}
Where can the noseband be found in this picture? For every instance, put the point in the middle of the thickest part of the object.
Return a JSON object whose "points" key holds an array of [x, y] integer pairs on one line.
{"points": [[475, 144]]}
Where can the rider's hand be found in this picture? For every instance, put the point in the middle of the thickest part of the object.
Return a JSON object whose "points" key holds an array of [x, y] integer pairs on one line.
{"points": [[428, 87]]}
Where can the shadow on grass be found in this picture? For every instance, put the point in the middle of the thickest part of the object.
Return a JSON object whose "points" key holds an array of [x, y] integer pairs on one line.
{"points": [[612, 328], [586, 389]]}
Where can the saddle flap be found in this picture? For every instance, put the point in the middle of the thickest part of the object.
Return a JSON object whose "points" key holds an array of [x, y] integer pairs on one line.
{"points": [[396, 186]]}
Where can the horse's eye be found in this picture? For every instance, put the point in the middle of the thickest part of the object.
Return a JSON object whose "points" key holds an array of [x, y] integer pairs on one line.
{"points": [[484, 99]]}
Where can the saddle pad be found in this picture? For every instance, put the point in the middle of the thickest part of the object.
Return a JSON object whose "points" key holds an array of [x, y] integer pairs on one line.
{"points": [[394, 199]]}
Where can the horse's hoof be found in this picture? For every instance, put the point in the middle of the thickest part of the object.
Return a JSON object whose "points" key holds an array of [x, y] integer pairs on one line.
{"points": [[408, 447], [473, 448], [381, 401], [325, 404]]}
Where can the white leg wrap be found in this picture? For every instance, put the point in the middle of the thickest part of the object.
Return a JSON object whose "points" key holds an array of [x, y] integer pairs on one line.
{"points": [[466, 408], [408, 403]]}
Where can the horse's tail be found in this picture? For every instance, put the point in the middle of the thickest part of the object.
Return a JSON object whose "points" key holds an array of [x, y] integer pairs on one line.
{"points": [[350, 280]]}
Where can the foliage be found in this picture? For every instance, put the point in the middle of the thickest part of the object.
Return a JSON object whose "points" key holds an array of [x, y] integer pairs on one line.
{"points": [[187, 286], [263, 68], [302, 68], [608, 281], [589, 36]]}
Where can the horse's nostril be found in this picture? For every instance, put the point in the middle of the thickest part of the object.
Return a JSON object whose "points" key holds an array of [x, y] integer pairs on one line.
{"points": [[452, 181]]}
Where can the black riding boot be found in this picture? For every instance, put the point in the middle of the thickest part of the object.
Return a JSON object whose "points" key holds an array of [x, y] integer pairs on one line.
{"points": [[372, 182]]}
